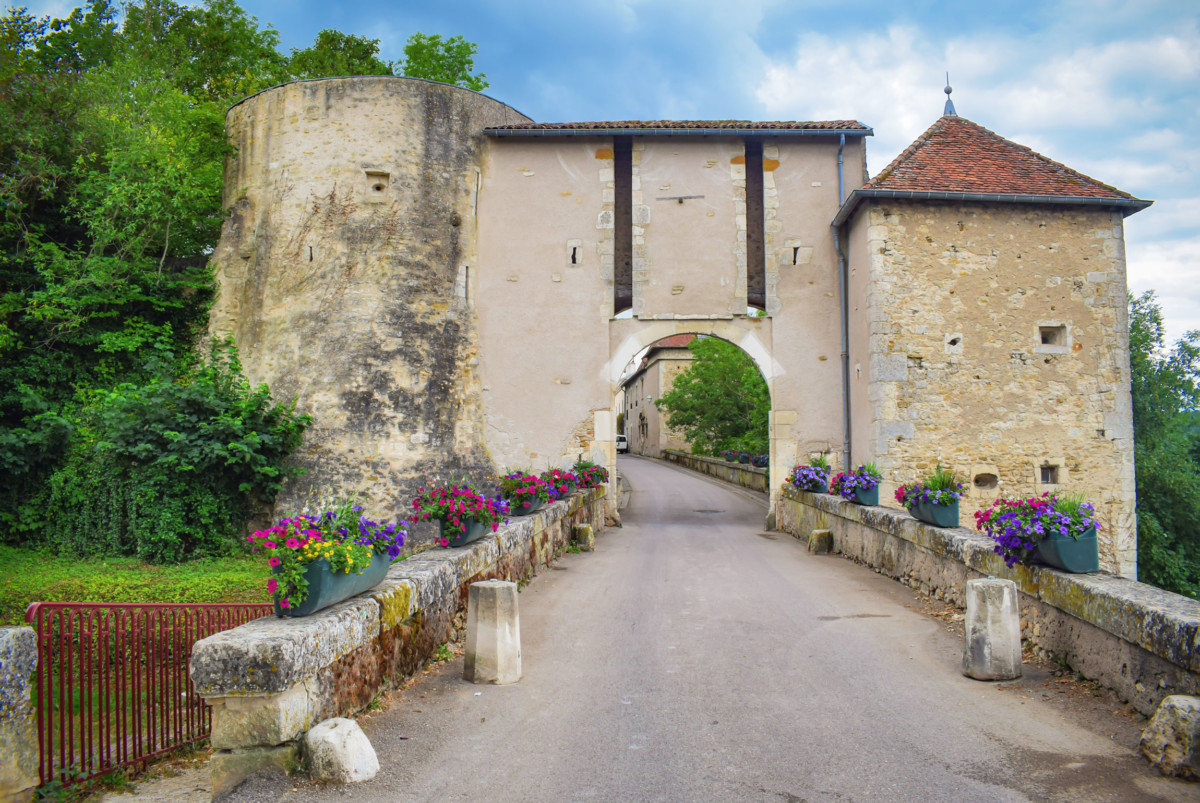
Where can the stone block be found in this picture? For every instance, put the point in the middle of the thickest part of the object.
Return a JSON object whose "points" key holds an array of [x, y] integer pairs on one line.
{"points": [[239, 722], [820, 542], [493, 652], [18, 729], [1172, 739], [337, 750], [992, 630], [584, 537], [230, 767]]}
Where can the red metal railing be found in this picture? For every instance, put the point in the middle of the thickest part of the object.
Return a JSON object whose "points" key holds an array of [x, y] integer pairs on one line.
{"points": [[113, 688]]}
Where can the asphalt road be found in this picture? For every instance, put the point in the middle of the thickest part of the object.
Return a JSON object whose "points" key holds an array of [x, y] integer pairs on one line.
{"points": [[694, 657]]}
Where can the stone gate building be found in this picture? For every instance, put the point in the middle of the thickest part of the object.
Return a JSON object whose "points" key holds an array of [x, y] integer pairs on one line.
{"points": [[451, 288]]}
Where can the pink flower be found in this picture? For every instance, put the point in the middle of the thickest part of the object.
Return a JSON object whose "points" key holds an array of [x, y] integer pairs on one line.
{"points": [[292, 543], [283, 603], [269, 544], [444, 542], [274, 562], [272, 584]]}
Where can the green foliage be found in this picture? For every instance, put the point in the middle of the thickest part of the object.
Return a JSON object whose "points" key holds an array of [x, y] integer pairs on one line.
{"points": [[450, 61], [112, 146], [721, 401], [165, 470], [1166, 393], [334, 53]]}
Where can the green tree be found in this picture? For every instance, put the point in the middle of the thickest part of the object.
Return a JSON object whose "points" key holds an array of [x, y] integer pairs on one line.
{"points": [[720, 401], [450, 61], [1166, 390], [335, 54]]}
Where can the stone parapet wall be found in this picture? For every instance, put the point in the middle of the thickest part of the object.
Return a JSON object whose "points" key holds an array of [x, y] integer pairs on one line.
{"points": [[272, 679], [18, 728], [1139, 640], [741, 474]]}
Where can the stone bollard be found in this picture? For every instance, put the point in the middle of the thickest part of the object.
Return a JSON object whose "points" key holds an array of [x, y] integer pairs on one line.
{"points": [[992, 630], [493, 634], [820, 542], [584, 537], [18, 730]]}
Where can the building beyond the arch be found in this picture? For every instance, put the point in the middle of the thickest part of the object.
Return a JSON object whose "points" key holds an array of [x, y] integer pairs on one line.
{"points": [[450, 288]]}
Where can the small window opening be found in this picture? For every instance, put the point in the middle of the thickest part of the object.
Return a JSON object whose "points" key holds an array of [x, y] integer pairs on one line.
{"points": [[377, 184], [954, 341], [986, 481], [310, 256], [1053, 335], [1049, 475], [796, 255], [574, 255]]}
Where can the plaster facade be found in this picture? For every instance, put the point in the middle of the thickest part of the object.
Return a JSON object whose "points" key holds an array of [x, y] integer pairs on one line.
{"points": [[434, 279]]}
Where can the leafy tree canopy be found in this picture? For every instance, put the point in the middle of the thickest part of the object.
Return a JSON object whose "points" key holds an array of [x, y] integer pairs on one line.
{"points": [[1166, 392], [450, 61], [336, 53], [720, 401]]}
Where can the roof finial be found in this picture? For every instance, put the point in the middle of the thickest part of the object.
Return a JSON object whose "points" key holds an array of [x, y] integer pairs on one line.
{"points": [[949, 103]]}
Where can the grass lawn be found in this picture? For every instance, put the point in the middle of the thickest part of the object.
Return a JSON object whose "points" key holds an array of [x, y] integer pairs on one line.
{"points": [[29, 576]]}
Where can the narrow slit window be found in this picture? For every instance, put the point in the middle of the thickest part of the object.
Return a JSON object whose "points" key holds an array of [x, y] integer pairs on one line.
{"points": [[756, 256], [622, 223]]}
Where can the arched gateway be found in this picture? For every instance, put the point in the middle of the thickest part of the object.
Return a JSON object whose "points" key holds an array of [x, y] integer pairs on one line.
{"points": [[450, 288]]}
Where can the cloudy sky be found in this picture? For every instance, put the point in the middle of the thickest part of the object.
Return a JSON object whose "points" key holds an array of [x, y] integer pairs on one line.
{"points": [[1109, 87]]}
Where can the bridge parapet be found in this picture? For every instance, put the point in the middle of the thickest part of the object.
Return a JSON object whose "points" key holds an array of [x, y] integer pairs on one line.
{"points": [[1136, 639], [271, 680]]}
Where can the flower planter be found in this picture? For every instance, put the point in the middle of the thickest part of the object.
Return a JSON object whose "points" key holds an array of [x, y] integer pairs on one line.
{"points": [[1066, 553], [869, 498], [936, 514], [531, 506], [744, 458], [475, 531], [326, 587]]}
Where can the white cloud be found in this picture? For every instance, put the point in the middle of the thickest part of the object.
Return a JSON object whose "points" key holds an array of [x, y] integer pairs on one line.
{"points": [[1120, 111]]}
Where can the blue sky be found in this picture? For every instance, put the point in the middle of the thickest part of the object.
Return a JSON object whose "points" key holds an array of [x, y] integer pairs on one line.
{"points": [[1108, 87]]}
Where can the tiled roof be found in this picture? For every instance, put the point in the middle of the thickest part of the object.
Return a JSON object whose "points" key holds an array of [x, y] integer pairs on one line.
{"points": [[664, 126], [957, 159], [957, 155], [673, 342]]}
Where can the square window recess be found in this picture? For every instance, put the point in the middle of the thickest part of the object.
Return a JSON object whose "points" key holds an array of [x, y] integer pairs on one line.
{"points": [[1049, 475], [1053, 335], [377, 185]]}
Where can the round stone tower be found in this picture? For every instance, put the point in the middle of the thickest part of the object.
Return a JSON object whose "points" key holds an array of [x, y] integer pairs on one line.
{"points": [[345, 276]]}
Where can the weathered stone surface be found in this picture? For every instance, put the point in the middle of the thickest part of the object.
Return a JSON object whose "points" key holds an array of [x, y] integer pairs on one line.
{"points": [[584, 537], [493, 652], [992, 631], [1139, 640], [337, 750], [820, 542], [230, 767], [18, 729], [270, 655], [1172, 739], [344, 274], [263, 721], [956, 299]]}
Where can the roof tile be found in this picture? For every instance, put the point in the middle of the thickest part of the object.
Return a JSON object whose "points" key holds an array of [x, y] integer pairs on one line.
{"points": [[957, 155]]}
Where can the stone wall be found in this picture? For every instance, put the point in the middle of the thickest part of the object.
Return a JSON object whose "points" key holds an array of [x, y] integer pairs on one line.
{"points": [[345, 276], [272, 679], [998, 346], [1139, 640], [19, 756], [741, 474]]}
